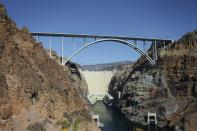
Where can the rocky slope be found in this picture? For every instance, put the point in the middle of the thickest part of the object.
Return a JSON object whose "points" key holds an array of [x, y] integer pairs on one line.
{"points": [[169, 88], [72, 69], [36, 93]]}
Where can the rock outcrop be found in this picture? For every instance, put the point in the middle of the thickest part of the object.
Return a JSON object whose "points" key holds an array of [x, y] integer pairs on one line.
{"points": [[169, 88], [36, 93]]}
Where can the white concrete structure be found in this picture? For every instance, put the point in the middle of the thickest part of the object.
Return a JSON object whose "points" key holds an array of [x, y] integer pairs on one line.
{"points": [[96, 118], [98, 82], [95, 97], [151, 117], [154, 118]]}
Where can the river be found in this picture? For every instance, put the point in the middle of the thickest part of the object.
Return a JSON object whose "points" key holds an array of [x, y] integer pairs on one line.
{"points": [[112, 119]]}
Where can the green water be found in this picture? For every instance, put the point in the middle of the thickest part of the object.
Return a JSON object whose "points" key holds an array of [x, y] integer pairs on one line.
{"points": [[112, 120]]}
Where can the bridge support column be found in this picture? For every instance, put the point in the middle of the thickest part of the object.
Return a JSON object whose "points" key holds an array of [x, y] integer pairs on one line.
{"points": [[73, 45], [37, 38], [84, 41], [50, 46], [155, 51], [135, 43], [164, 46], [62, 50], [144, 46]]}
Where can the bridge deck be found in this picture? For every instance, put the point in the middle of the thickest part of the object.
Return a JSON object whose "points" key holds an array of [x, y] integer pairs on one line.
{"points": [[98, 36]]}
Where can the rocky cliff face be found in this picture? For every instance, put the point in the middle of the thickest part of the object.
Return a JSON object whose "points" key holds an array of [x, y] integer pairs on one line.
{"points": [[36, 93], [169, 88], [72, 69]]}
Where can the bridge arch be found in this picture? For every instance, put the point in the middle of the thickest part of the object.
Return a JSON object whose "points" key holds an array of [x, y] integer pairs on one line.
{"points": [[133, 46]]}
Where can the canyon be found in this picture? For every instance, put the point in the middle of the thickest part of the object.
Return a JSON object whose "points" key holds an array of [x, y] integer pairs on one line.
{"points": [[38, 93]]}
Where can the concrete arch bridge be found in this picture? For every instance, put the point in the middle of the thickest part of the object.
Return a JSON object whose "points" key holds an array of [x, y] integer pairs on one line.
{"points": [[131, 42]]}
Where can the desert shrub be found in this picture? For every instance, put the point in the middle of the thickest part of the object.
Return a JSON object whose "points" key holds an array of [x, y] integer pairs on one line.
{"points": [[64, 123], [76, 125], [3, 11], [36, 127]]}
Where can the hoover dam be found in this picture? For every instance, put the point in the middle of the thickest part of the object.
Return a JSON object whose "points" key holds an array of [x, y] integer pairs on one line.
{"points": [[98, 83]]}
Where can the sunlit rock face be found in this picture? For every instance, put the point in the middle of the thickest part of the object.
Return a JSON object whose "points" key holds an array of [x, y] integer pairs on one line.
{"points": [[35, 91], [169, 88]]}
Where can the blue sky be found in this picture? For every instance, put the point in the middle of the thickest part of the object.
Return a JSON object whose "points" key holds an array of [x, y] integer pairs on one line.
{"points": [[138, 18]]}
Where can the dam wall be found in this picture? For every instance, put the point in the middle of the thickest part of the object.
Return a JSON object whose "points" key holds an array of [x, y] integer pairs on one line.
{"points": [[97, 81]]}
